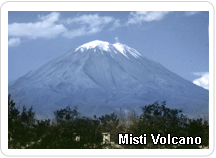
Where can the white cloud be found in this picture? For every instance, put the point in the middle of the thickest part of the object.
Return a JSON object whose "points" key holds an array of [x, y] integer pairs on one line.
{"points": [[92, 20], [190, 13], [116, 24], [79, 32], [203, 81], [89, 24], [47, 27], [140, 16], [51, 26], [14, 42]]}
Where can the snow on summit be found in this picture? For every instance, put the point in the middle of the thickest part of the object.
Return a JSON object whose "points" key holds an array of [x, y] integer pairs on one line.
{"points": [[122, 48], [93, 44], [106, 46]]}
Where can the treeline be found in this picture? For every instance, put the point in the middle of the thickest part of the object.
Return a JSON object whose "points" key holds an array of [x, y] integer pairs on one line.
{"points": [[70, 131]]}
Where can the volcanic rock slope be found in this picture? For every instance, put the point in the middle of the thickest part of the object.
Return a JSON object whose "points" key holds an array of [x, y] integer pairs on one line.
{"points": [[100, 78]]}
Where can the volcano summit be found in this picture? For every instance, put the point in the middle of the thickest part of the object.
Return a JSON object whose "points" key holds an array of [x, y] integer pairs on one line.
{"points": [[99, 78]]}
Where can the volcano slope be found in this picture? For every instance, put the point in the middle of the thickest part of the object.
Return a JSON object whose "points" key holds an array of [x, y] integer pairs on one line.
{"points": [[100, 78]]}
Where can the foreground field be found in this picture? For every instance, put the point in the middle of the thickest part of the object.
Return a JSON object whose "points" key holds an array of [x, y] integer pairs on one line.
{"points": [[155, 128]]}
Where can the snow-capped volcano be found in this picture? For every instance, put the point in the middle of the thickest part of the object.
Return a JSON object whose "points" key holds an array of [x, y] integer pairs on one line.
{"points": [[107, 47], [101, 44], [99, 78]]}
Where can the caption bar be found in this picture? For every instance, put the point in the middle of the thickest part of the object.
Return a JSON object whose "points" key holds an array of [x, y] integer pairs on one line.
{"points": [[157, 139]]}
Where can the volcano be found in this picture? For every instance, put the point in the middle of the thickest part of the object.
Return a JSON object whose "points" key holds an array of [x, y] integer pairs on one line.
{"points": [[100, 78]]}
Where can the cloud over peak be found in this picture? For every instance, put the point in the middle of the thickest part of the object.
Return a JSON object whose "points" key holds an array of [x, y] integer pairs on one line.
{"points": [[53, 25], [89, 24], [140, 16], [92, 20]]}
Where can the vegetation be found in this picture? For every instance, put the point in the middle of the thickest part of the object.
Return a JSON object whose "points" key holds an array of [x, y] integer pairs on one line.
{"points": [[70, 131]]}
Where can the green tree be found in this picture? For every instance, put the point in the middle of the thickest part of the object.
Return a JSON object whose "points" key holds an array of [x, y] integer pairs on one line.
{"points": [[65, 114], [20, 125], [13, 113], [13, 123]]}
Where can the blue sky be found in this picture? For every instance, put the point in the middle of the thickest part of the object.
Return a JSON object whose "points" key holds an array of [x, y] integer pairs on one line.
{"points": [[177, 40]]}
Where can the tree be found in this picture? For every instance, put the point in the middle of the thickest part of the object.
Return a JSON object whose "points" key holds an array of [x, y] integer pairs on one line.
{"points": [[159, 119], [65, 114], [13, 112], [13, 121], [20, 125]]}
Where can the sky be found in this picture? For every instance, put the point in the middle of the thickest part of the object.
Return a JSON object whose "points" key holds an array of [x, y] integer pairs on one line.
{"points": [[176, 40]]}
